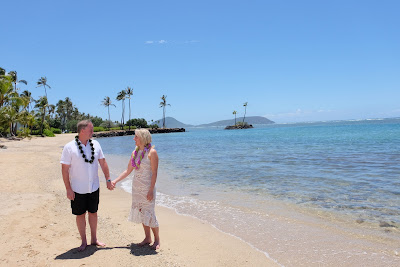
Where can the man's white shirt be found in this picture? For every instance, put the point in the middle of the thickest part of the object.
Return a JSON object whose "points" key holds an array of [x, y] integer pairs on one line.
{"points": [[83, 176]]}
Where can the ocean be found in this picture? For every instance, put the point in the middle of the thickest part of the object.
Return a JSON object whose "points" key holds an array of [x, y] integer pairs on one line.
{"points": [[246, 182]]}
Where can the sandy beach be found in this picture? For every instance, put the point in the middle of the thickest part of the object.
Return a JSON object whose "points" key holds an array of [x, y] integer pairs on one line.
{"points": [[38, 229]]}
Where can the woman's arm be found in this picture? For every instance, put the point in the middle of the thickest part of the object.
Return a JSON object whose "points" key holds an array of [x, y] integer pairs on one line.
{"points": [[154, 168], [124, 174]]}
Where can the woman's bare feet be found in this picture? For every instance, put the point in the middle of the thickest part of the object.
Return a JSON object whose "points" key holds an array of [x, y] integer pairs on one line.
{"points": [[156, 245], [98, 243], [144, 242], [82, 247]]}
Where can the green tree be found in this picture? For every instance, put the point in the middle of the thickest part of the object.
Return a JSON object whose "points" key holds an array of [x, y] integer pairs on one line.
{"points": [[43, 82], [42, 104], [129, 93], [5, 89], [139, 123], [234, 113], [15, 80], [107, 103], [121, 97], [27, 95], [163, 104], [245, 106]]}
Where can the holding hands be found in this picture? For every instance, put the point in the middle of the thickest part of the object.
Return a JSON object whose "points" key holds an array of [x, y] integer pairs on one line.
{"points": [[110, 184]]}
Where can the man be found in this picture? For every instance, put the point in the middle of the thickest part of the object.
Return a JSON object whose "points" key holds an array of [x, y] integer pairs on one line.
{"points": [[80, 174]]}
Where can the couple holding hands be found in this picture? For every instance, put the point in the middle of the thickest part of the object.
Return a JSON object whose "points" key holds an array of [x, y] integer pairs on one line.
{"points": [[80, 174]]}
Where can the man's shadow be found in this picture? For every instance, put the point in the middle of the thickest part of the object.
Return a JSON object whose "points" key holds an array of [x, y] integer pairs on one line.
{"points": [[135, 250]]}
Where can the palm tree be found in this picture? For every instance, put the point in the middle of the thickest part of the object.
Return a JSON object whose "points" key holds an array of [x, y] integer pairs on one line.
{"points": [[52, 110], [28, 95], [9, 116], [163, 104], [234, 113], [42, 104], [14, 79], [129, 92], [121, 97], [245, 106], [107, 103], [5, 89], [43, 82]]}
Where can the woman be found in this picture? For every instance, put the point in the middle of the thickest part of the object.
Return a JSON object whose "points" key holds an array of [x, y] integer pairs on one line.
{"points": [[144, 160]]}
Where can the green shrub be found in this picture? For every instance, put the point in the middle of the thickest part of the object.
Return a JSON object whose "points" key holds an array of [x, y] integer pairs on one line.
{"points": [[98, 129], [154, 126], [48, 133], [56, 130]]}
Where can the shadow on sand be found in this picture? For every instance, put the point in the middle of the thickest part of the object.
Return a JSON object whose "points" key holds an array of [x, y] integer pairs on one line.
{"points": [[135, 250]]}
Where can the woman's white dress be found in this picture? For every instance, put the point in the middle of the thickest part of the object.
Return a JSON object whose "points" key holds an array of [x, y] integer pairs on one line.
{"points": [[142, 210]]}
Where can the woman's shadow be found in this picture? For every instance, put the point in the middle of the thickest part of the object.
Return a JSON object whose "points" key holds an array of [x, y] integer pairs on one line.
{"points": [[135, 250]]}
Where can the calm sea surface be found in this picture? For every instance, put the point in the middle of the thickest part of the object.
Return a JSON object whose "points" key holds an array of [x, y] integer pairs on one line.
{"points": [[227, 177]]}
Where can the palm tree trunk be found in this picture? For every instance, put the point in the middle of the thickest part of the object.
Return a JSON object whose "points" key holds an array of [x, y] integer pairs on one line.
{"points": [[163, 124], [109, 120], [44, 115], [129, 113]]}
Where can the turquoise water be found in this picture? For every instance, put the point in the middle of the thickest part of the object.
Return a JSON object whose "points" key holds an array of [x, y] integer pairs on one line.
{"points": [[229, 177], [342, 166]]}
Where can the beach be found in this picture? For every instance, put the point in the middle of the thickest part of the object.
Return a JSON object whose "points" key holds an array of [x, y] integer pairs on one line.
{"points": [[38, 229]]}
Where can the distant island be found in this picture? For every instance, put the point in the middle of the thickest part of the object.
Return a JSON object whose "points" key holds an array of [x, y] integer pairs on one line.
{"points": [[253, 120]]}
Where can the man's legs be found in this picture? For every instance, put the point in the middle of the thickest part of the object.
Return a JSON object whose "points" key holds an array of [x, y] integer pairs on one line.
{"points": [[93, 230], [81, 223]]}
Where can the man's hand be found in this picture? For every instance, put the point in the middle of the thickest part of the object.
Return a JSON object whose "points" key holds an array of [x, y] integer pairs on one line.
{"points": [[70, 194], [110, 185]]}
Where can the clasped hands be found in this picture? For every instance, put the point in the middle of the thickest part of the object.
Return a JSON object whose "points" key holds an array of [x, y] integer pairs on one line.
{"points": [[111, 185]]}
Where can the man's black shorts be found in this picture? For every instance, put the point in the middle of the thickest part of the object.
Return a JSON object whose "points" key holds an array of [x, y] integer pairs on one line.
{"points": [[85, 202]]}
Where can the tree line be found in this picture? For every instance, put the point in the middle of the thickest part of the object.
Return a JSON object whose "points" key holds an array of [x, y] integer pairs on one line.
{"points": [[22, 115]]}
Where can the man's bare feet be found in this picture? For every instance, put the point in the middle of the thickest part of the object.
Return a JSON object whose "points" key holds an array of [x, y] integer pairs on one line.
{"points": [[82, 247], [144, 242], [98, 243], [156, 245]]}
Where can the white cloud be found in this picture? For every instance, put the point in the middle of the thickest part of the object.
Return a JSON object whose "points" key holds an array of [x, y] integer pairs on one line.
{"points": [[171, 42], [191, 42]]}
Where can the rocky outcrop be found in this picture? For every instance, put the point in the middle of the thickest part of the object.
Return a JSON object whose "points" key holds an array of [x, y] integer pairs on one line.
{"points": [[235, 127], [132, 132]]}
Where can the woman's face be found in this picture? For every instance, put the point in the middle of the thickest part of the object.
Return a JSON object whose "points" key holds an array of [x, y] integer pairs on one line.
{"points": [[137, 140]]}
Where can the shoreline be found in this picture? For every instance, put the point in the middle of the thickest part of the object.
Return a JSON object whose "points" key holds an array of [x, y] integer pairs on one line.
{"points": [[38, 228], [292, 234]]}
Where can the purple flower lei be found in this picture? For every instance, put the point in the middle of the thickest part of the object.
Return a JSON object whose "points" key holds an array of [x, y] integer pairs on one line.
{"points": [[134, 164]]}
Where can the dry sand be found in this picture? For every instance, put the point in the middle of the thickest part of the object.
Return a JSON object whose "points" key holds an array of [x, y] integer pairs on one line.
{"points": [[38, 229]]}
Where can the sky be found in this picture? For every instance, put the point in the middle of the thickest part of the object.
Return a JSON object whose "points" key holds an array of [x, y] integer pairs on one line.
{"points": [[291, 61]]}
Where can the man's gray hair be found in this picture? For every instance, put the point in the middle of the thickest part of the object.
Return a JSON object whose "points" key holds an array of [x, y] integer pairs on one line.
{"points": [[82, 125]]}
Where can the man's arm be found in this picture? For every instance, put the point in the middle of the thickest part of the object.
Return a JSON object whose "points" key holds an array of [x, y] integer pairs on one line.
{"points": [[65, 175], [106, 171]]}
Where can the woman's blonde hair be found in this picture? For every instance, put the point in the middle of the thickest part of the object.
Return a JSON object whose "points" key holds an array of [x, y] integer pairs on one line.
{"points": [[144, 135]]}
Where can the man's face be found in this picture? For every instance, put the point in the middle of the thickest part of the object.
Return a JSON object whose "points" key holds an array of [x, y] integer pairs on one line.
{"points": [[87, 132]]}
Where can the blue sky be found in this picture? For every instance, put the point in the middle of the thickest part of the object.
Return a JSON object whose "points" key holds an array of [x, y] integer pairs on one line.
{"points": [[292, 61]]}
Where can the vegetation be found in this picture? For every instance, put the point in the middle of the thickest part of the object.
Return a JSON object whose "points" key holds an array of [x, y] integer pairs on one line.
{"points": [[107, 103], [129, 93], [234, 113], [245, 106], [138, 123], [121, 97], [163, 104], [22, 115]]}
